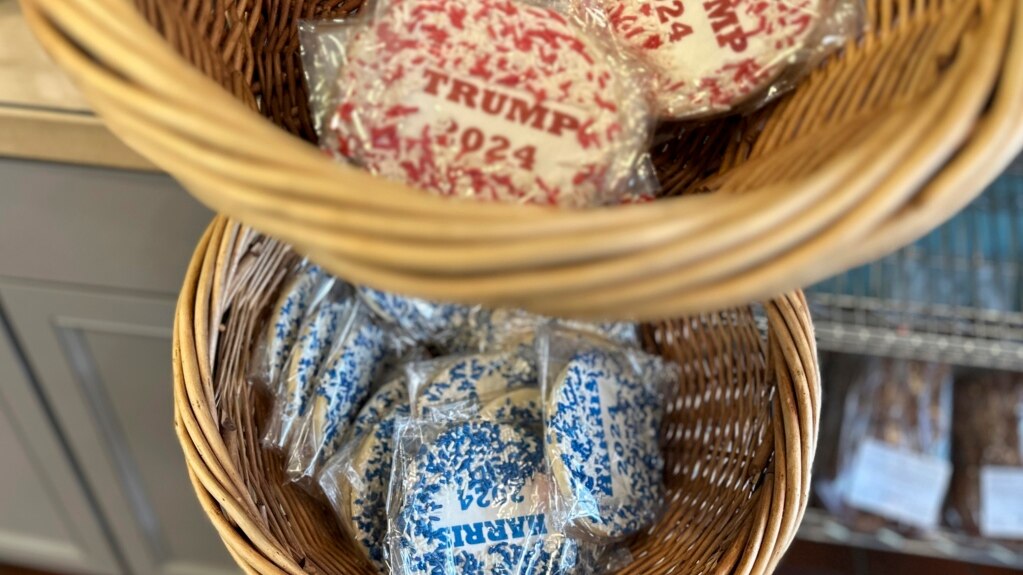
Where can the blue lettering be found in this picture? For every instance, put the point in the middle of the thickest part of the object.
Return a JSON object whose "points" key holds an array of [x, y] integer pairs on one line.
{"points": [[457, 531], [518, 527], [474, 534], [496, 530]]}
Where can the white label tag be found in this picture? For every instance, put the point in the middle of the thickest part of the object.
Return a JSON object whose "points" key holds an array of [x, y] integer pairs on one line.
{"points": [[1001, 502], [900, 485]]}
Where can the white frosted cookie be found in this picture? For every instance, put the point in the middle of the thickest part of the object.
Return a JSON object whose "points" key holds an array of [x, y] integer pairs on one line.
{"points": [[602, 431], [708, 56], [489, 99], [342, 386], [368, 483], [422, 320], [470, 379], [476, 501], [523, 406], [308, 354], [295, 301]]}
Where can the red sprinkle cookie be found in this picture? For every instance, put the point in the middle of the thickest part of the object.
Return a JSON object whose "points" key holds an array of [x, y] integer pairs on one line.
{"points": [[489, 99], [710, 55]]}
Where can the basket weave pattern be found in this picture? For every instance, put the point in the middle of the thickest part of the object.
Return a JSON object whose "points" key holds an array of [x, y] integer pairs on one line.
{"points": [[739, 437], [888, 139]]}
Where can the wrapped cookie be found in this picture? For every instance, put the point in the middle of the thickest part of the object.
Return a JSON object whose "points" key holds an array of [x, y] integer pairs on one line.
{"points": [[487, 329], [306, 286], [603, 408], [357, 358], [473, 495], [892, 463], [356, 479], [294, 393], [487, 99], [986, 494], [708, 57], [421, 322], [469, 380]]}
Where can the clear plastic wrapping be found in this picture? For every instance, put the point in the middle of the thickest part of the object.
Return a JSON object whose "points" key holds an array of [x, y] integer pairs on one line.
{"points": [[421, 321], [307, 285], [488, 329], [357, 357], [987, 448], [357, 478], [473, 495], [297, 383], [489, 99], [603, 408], [709, 57], [893, 458], [469, 380]]}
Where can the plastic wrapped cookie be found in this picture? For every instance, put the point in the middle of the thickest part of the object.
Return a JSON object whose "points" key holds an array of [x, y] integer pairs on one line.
{"points": [[469, 380], [357, 478], [298, 296], [709, 56], [489, 329], [423, 321], [356, 359], [489, 99], [603, 412], [475, 499], [299, 380], [523, 406]]}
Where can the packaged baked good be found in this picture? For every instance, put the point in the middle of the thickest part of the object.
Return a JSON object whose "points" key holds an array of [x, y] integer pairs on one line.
{"points": [[488, 99], [357, 357], [603, 408], [986, 495], [297, 383], [893, 459], [306, 286], [709, 57], [469, 380], [473, 495]]}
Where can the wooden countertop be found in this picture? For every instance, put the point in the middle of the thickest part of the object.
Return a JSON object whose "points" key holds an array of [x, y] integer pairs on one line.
{"points": [[42, 115]]}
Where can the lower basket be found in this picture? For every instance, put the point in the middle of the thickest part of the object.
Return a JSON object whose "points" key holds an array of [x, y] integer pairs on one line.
{"points": [[739, 439]]}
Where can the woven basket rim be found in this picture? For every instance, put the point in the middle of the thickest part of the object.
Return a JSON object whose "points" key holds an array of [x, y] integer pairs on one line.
{"points": [[645, 261], [792, 359]]}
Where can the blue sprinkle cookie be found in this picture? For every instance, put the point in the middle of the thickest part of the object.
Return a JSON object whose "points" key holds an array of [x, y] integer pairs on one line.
{"points": [[603, 424], [390, 394], [523, 406], [342, 386], [308, 354], [503, 328], [476, 502], [295, 301], [369, 477], [475, 377], [424, 321]]}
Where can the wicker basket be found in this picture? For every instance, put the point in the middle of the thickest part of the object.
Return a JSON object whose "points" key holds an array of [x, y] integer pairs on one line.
{"points": [[884, 142], [740, 438]]}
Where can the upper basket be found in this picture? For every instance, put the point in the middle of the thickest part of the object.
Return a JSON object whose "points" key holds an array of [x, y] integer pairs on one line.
{"points": [[882, 143]]}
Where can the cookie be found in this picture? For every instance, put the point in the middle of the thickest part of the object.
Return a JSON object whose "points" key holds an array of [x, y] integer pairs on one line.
{"points": [[342, 386], [506, 328], [708, 56], [477, 501], [423, 321], [308, 354], [470, 379], [489, 99], [390, 394], [366, 510], [294, 303], [523, 406], [602, 444]]}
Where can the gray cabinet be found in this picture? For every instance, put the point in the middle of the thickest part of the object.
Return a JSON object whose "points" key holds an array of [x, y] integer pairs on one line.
{"points": [[46, 519], [103, 363]]}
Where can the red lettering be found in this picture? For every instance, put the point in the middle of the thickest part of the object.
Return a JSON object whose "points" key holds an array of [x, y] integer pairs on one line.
{"points": [[736, 40], [489, 104], [721, 13], [526, 156], [433, 80], [562, 122], [666, 13], [496, 153], [522, 113], [463, 91], [472, 139]]}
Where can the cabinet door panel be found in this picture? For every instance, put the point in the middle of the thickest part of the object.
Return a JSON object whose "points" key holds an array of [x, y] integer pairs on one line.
{"points": [[104, 363], [46, 520]]}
